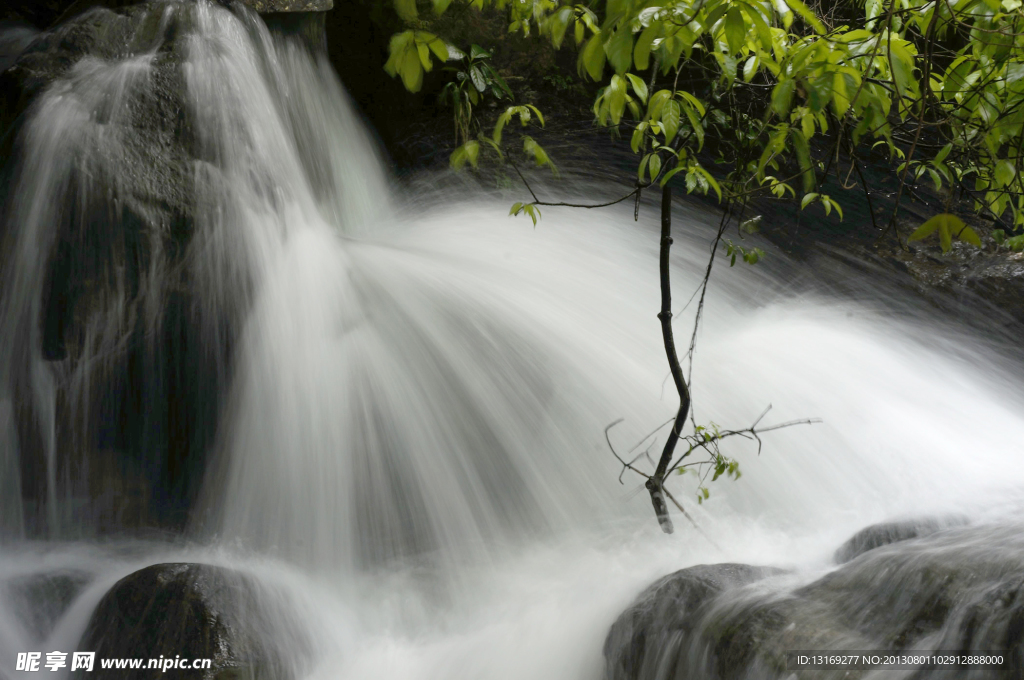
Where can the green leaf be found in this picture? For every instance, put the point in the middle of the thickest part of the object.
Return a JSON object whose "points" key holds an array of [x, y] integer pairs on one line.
{"points": [[694, 102], [807, 125], [477, 76], [695, 123], [638, 86], [472, 152], [642, 50], [806, 14], [477, 52], [1004, 172], [840, 95], [516, 207], [750, 68], [424, 54], [592, 57], [615, 95], [808, 199], [782, 97], [468, 152], [410, 69], [839, 208], [540, 156], [654, 167], [1015, 243], [947, 225], [670, 119], [540, 116], [638, 137], [735, 30], [532, 210], [902, 66], [670, 174], [496, 78], [440, 6], [711, 181], [557, 25], [657, 103], [803, 155], [619, 49], [503, 120], [968, 235]]}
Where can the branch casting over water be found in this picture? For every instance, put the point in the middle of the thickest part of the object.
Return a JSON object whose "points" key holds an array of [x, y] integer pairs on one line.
{"points": [[655, 484]]}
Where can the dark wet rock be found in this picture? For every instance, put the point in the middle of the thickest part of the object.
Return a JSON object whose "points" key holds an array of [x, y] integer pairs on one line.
{"points": [[647, 636], [264, 6], [46, 13], [130, 209], [40, 600], [192, 611], [14, 38], [990, 276], [120, 245], [958, 590], [159, 190], [877, 535]]}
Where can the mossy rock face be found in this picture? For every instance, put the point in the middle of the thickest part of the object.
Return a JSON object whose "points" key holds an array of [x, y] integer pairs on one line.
{"points": [[191, 611], [958, 589]]}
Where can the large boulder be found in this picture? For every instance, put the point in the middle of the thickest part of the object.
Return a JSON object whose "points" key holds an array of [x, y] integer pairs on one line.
{"points": [[193, 611], [106, 174], [957, 589]]}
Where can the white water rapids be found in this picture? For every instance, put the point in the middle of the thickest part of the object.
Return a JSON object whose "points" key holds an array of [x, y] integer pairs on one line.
{"points": [[411, 453]]}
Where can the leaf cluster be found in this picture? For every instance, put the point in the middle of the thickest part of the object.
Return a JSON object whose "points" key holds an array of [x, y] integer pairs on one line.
{"points": [[780, 95]]}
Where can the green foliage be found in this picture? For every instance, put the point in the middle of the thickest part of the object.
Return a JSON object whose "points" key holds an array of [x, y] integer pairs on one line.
{"points": [[748, 255], [410, 54], [707, 438], [474, 79], [758, 83], [1014, 243], [526, 209], [947, 226]]}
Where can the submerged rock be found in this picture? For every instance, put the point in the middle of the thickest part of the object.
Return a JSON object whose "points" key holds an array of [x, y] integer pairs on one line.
{"points": [[647, 638], [886, 533], [957, 590], [191, 611]]}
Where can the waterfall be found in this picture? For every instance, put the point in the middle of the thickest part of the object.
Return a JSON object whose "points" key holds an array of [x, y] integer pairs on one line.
{"points": [[400, 394]]}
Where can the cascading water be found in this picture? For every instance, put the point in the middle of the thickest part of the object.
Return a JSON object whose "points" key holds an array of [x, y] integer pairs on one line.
{"points": [[409, 454]]}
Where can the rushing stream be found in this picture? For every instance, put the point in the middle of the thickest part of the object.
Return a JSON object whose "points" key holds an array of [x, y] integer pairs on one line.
{"points": [[410, 452]]}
